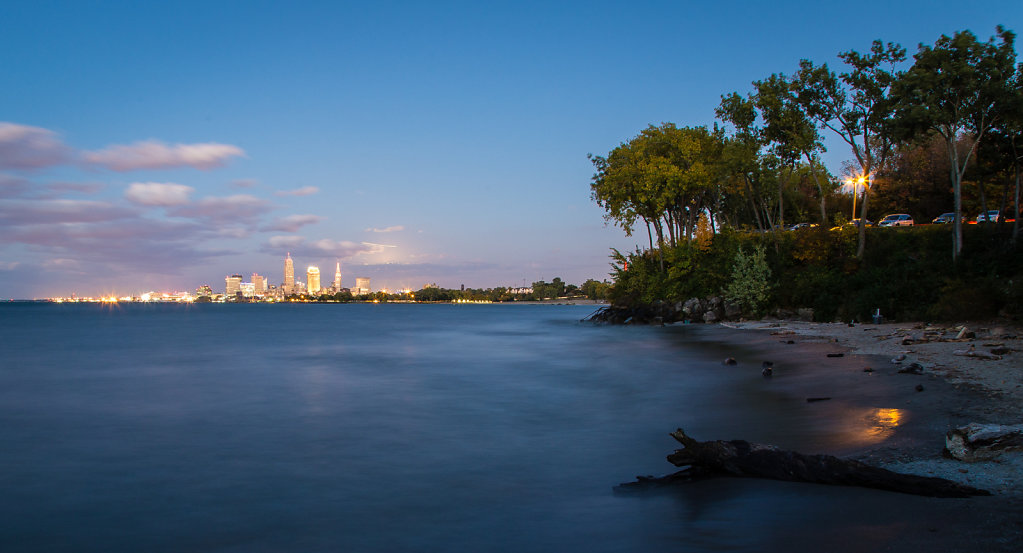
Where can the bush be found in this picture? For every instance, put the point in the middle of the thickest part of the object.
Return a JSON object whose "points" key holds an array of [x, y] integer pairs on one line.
{"points": [[750, 285]]}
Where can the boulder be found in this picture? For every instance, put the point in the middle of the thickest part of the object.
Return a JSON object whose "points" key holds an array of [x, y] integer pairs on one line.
{"points": [[981, 442], [692, 307], [805, 314], [732, 310], [710, 316]]}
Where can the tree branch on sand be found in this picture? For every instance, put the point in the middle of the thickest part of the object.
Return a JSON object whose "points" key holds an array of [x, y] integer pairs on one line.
{"points": [[741, 458]]}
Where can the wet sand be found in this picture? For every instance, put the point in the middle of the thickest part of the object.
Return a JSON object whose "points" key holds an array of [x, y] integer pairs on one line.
{"points": [[956, 390]]}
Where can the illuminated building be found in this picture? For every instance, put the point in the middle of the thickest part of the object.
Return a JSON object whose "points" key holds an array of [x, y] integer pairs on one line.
{"points": [[361, 286], [258, 285], [248, 289], [204, 291], [337, 278], [232, 285], [312, 278], [289, 275]]}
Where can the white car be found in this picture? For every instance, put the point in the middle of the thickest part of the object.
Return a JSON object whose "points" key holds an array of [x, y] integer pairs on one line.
{"points": [[896, 220], [991, 215]]}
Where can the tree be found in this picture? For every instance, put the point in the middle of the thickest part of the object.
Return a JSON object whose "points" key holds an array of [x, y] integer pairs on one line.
{"points": [[790, 132], [855, 105], [664, 176], [955, 89]]}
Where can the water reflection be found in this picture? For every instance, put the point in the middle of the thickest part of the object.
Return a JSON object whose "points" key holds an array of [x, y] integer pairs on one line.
{"points": [[880, 422]]}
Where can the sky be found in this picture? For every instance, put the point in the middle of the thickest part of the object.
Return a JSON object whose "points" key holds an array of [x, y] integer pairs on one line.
{"points": [[161, 146]]}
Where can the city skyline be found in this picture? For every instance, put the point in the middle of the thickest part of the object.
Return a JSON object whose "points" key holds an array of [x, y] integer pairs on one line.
{"points": [[143, 147]]}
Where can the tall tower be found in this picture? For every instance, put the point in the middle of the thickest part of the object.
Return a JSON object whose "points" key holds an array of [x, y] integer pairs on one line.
{"points": [[312, 279], [289, 275], [337, 277]]}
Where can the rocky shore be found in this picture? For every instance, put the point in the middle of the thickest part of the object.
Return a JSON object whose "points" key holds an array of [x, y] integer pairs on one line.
{"points": [[982, 362]]}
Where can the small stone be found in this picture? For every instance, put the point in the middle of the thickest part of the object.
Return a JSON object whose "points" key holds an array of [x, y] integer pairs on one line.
{"points": [[731, 361], [868, 370], [919, 387]]}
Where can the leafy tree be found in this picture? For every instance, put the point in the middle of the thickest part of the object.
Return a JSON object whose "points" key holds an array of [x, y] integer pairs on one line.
{"points": [[595, 290], [955, 89], [750, 283], [855, 105]]}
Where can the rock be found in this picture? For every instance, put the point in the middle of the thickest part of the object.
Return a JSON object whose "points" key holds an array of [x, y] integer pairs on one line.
{"points": [[912, 368], [965, 333], [692, 306], [868, 370], [805, 314], [732, 310], [714, 303], [710, 317], [1000, 351], [836, 355], [784, 314], [919, 387], [816, 399], [899, 358], [731, 361], [767, 368], [981, 442]]}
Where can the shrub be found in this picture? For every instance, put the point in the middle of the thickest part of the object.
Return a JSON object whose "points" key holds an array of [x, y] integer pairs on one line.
{"points": [[750, 285]]}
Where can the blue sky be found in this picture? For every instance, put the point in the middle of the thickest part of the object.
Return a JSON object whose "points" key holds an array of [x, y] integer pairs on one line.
{"points": [[164, 146]]}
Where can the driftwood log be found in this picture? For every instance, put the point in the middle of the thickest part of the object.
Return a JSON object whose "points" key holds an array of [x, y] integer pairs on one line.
{"points": [[741, 458]]}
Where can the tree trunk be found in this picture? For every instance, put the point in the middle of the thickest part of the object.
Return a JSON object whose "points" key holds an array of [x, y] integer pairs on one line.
{"points": [[820, 189], [741, 458], [862, 241]]}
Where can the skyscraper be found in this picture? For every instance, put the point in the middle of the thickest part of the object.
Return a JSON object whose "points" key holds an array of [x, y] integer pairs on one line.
{"points": [[289, 275], [337, 278], [361, 286], [312, 279], [232, 285], [258, 284]]}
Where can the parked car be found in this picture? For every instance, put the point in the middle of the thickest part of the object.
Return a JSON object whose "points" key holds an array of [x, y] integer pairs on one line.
{"points": [[853, 223], [944, 219], [798, 226], [896, 220], [992, 215]]}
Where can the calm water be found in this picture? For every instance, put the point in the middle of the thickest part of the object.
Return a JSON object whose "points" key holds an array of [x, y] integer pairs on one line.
{"points": [[397, 428]]}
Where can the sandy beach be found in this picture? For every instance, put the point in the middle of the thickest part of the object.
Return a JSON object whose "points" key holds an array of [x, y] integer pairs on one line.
{"points": [[968, 373]]}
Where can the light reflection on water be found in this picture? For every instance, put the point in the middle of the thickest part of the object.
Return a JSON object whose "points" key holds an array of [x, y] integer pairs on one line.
{"points": [[385, 428]]}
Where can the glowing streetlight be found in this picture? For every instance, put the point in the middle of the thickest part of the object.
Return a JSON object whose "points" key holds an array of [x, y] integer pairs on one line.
{"points": [[861, 180]]}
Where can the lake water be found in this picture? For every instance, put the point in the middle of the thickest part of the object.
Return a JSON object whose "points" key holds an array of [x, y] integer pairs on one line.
{"points": [[399, 428]]}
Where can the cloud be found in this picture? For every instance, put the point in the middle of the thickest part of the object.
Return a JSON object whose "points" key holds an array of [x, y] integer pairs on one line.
{"points": [[292, 223], [12, 186], [396, 228], [325, 247], [304, 191], [24, 147], [49, 212], [158, 193], [9, 265], [240, 207], [244, 183], [153, 154], [82, 187]]}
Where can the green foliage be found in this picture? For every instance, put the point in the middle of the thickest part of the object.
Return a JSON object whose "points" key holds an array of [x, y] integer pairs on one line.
{"points": [[750, 284], [907, 273]]}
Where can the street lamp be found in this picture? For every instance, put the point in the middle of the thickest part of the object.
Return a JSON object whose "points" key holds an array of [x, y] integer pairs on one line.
{"points": [[861, 180]]}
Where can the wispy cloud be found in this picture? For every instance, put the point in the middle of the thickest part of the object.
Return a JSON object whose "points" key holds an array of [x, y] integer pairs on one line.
{"points": [[240, 207], [49, 212], [153, 154], [396, 228], [12, 186], [24, 147], [292, 223], [304, 191], [244, 183], [299, 246], [9, 265], [81, 187], [158, 193]]}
